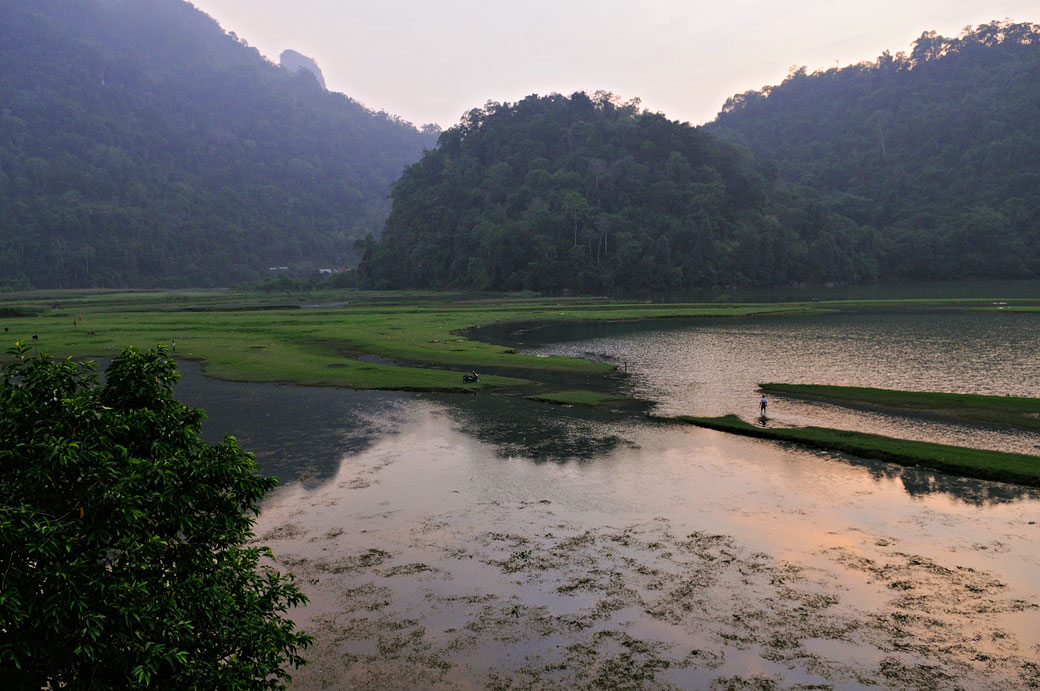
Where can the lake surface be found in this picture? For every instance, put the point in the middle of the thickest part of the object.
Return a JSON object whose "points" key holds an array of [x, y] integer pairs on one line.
{"points": [[713, 366], [489, 541]]}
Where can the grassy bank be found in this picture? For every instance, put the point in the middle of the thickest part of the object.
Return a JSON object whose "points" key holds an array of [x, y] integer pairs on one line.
{"points": [[405, 341], [1002, 410], [956, 460], [363, 340]]}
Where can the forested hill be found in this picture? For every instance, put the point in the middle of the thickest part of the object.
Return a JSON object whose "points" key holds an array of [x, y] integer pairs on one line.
{"points": [[939, 149], [589, 194], [142, 145]]}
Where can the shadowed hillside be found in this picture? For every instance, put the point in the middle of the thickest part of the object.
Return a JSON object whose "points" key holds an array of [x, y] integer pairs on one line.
{"points": [[141, 145]]}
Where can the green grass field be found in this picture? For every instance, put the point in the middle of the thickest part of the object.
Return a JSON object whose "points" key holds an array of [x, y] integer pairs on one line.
{"points": [[1002, 410], [956, 460], [405, 341]]}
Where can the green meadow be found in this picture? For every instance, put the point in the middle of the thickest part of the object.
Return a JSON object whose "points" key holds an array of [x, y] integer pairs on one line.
{"points": [[404, 341]]}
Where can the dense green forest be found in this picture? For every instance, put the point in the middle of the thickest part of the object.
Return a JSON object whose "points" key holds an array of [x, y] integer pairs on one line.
{"points": [[590, 194], [920, 166], [938, 149], [142, 145]]}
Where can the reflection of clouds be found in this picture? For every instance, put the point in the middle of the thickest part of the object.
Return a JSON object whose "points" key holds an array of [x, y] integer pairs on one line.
{"points": [[678, 535]]}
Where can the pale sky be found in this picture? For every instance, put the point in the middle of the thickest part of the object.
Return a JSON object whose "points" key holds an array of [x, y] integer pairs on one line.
{"points": [[431, 61]]}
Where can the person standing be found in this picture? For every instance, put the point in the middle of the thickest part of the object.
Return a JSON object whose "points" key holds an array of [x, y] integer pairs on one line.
{"points": [[762, 405]]}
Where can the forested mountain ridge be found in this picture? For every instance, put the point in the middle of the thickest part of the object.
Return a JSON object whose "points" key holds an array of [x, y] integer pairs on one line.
{"points": [[590, 194], [142, 145], [939, 149]]}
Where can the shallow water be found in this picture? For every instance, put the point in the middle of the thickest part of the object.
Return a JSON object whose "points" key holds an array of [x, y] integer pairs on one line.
{"points": [[681, 556], [488, 541], [295, 432], [713, 366]]}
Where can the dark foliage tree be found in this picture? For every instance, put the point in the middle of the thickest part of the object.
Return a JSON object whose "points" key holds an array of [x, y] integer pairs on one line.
{"points": [[124, 539], [141, 145], [590, 194], [939, 150]]}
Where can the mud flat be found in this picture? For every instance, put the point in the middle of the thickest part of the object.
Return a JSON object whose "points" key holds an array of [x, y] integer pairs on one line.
{"points": [[443, 557]]}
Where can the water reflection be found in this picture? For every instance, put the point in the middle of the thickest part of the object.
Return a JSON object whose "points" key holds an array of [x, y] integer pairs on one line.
{"points": [[516, 427], [433, 558], [920, 482], [296, 432], [894, 290], [713, 366], [306, 433]]}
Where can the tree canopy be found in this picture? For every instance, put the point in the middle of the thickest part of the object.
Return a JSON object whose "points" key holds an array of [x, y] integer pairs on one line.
{"points": [[591, 194], [936, 149], [141, 145], [125, 552]]}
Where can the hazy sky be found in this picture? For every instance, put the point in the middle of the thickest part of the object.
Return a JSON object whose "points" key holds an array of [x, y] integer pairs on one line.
{"points": [[431, 61]]}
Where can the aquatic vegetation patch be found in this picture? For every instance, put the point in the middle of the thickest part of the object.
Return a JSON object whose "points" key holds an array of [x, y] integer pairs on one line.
{"points": [[597, 608]]}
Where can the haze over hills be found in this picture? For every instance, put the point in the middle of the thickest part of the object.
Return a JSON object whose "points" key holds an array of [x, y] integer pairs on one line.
{"points": [[924, 166], [939, 150], [142, 145]]}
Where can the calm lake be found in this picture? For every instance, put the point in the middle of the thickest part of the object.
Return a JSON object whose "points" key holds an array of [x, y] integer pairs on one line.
{"points": [[713, 367], [488, 541]]}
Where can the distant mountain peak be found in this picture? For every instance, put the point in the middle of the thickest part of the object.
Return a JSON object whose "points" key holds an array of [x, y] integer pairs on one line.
{"points": [[294, 62]]}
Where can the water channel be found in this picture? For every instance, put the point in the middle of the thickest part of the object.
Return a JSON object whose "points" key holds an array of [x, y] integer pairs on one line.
{"points": [[492, 542]]}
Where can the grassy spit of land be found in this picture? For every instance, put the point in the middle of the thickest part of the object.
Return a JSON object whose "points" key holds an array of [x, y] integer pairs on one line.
{"points": [[589, 399], [956, 460], [1013, 411]]}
